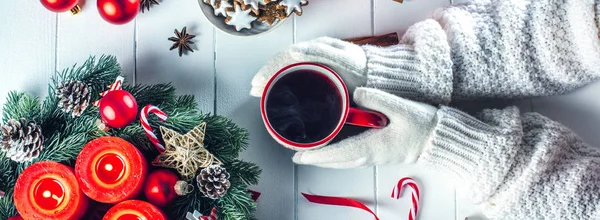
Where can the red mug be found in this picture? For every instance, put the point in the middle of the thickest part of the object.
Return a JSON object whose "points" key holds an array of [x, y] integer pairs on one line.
{"points": [[349, 115]]}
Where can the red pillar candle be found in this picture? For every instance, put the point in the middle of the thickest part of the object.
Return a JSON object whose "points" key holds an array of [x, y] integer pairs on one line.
{"points": [[111, 170], [134, 210], [49, 190]]}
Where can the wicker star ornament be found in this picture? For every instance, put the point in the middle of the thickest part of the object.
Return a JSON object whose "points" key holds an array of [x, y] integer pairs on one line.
{"points": [[185, 153]]}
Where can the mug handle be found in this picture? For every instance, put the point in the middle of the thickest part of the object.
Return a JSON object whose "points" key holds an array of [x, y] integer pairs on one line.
{"points": [[366, 118]]}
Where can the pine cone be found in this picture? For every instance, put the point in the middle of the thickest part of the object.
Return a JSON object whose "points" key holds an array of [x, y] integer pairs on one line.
{"points": [[21, 140], [74, 97], [213, 181]]}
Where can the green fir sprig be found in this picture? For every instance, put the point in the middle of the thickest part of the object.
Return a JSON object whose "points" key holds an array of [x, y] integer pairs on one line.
{"points": [[65, 136]]}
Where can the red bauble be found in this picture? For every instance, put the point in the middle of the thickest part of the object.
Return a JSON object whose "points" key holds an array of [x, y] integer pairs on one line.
{"points": [[118, 11], [160, 187], [59, 5], [16, 217], [118, 109]]}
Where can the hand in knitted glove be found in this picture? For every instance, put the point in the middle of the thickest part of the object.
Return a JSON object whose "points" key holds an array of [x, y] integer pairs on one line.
{"points": [[347, 59], [402, 141]]}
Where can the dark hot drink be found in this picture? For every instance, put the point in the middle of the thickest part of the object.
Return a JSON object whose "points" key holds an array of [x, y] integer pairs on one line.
{"points": [[304, 106]]}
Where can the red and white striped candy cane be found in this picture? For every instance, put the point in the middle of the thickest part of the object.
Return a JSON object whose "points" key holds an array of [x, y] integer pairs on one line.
{"points": [[118, 85], [412, 215], [198, 216], [146, 125], [212, 216]]}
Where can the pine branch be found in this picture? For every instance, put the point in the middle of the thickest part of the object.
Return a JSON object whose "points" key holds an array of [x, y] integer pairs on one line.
{"points": [[244, 172], [21, 105], [161, 95], [97, 75], [236, 204], [224, 138], [7, 207]]}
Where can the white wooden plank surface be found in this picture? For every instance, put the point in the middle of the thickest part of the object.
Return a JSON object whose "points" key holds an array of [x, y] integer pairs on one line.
{"points": [[238, 59], [88, 34], [357, 184], [334, 18], [193, 73], [437, 193], [352, 19], [27, 39]]}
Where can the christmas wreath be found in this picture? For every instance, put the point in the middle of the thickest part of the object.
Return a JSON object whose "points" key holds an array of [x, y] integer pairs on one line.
{"points": [[57, 129]]}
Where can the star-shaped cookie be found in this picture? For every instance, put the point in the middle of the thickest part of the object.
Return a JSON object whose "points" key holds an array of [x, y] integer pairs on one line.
{"points": [[293, 6], [239, 18]]}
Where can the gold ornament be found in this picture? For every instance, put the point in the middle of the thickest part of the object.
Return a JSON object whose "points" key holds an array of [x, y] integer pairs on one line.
{"points": [[185, 153], [183, 188]]}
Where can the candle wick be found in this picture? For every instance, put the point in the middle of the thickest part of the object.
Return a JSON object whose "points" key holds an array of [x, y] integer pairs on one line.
{"points": [[47, 194], [108, 167]]}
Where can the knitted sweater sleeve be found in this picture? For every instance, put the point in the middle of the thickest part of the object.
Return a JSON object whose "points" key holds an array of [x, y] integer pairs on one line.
{"points": [[517, 166], [492, 49]]}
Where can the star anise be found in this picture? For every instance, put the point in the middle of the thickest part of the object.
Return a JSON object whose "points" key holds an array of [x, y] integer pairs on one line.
{"points": [[182, 41], [147, 4]]}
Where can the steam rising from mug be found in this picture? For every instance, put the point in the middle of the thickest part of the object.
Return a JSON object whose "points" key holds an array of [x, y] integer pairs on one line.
{"points": [[304, 107]]}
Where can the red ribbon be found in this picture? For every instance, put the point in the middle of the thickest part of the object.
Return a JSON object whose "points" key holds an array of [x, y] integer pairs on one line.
{"points": [[338, 201]]}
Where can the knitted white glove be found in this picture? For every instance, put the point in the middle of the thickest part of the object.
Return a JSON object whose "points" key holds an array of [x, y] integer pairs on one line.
{"points": [[347, 59], [410, 128]]}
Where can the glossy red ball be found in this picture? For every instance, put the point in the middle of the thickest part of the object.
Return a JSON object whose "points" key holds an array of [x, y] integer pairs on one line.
{"points": [[118, 109], [118, 11], [16, 217], [160, 187], [59, 5]]}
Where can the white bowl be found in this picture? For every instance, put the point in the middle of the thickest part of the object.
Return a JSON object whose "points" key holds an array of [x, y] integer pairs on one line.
{"points": [[258, 28]]}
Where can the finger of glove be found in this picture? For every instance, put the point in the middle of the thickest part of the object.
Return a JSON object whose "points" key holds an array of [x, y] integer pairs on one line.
{"points": [[350, 149], [335, 53], [318, 51], [262, 77]]}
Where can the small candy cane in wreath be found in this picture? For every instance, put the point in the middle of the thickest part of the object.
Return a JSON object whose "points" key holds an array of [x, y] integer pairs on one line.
{"points": [[146, 125], [412, 215], [118, 85], [197, 216]]}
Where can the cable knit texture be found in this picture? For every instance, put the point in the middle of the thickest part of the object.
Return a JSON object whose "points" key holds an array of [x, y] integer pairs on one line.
{"points": [[492, 49], [419, 68], [519, 167], [516, 48]]}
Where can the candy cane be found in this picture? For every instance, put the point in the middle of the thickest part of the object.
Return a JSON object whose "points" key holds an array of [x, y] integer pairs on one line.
{"points": [[197, 216], [212, 216], [118, 85], [146, 125], [412, 215]]}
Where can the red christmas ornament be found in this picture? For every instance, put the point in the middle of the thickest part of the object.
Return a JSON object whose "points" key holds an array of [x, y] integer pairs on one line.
{"points": [[59, 5], [118, 108], [118, 11], [160, 187], [16, 217]]}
